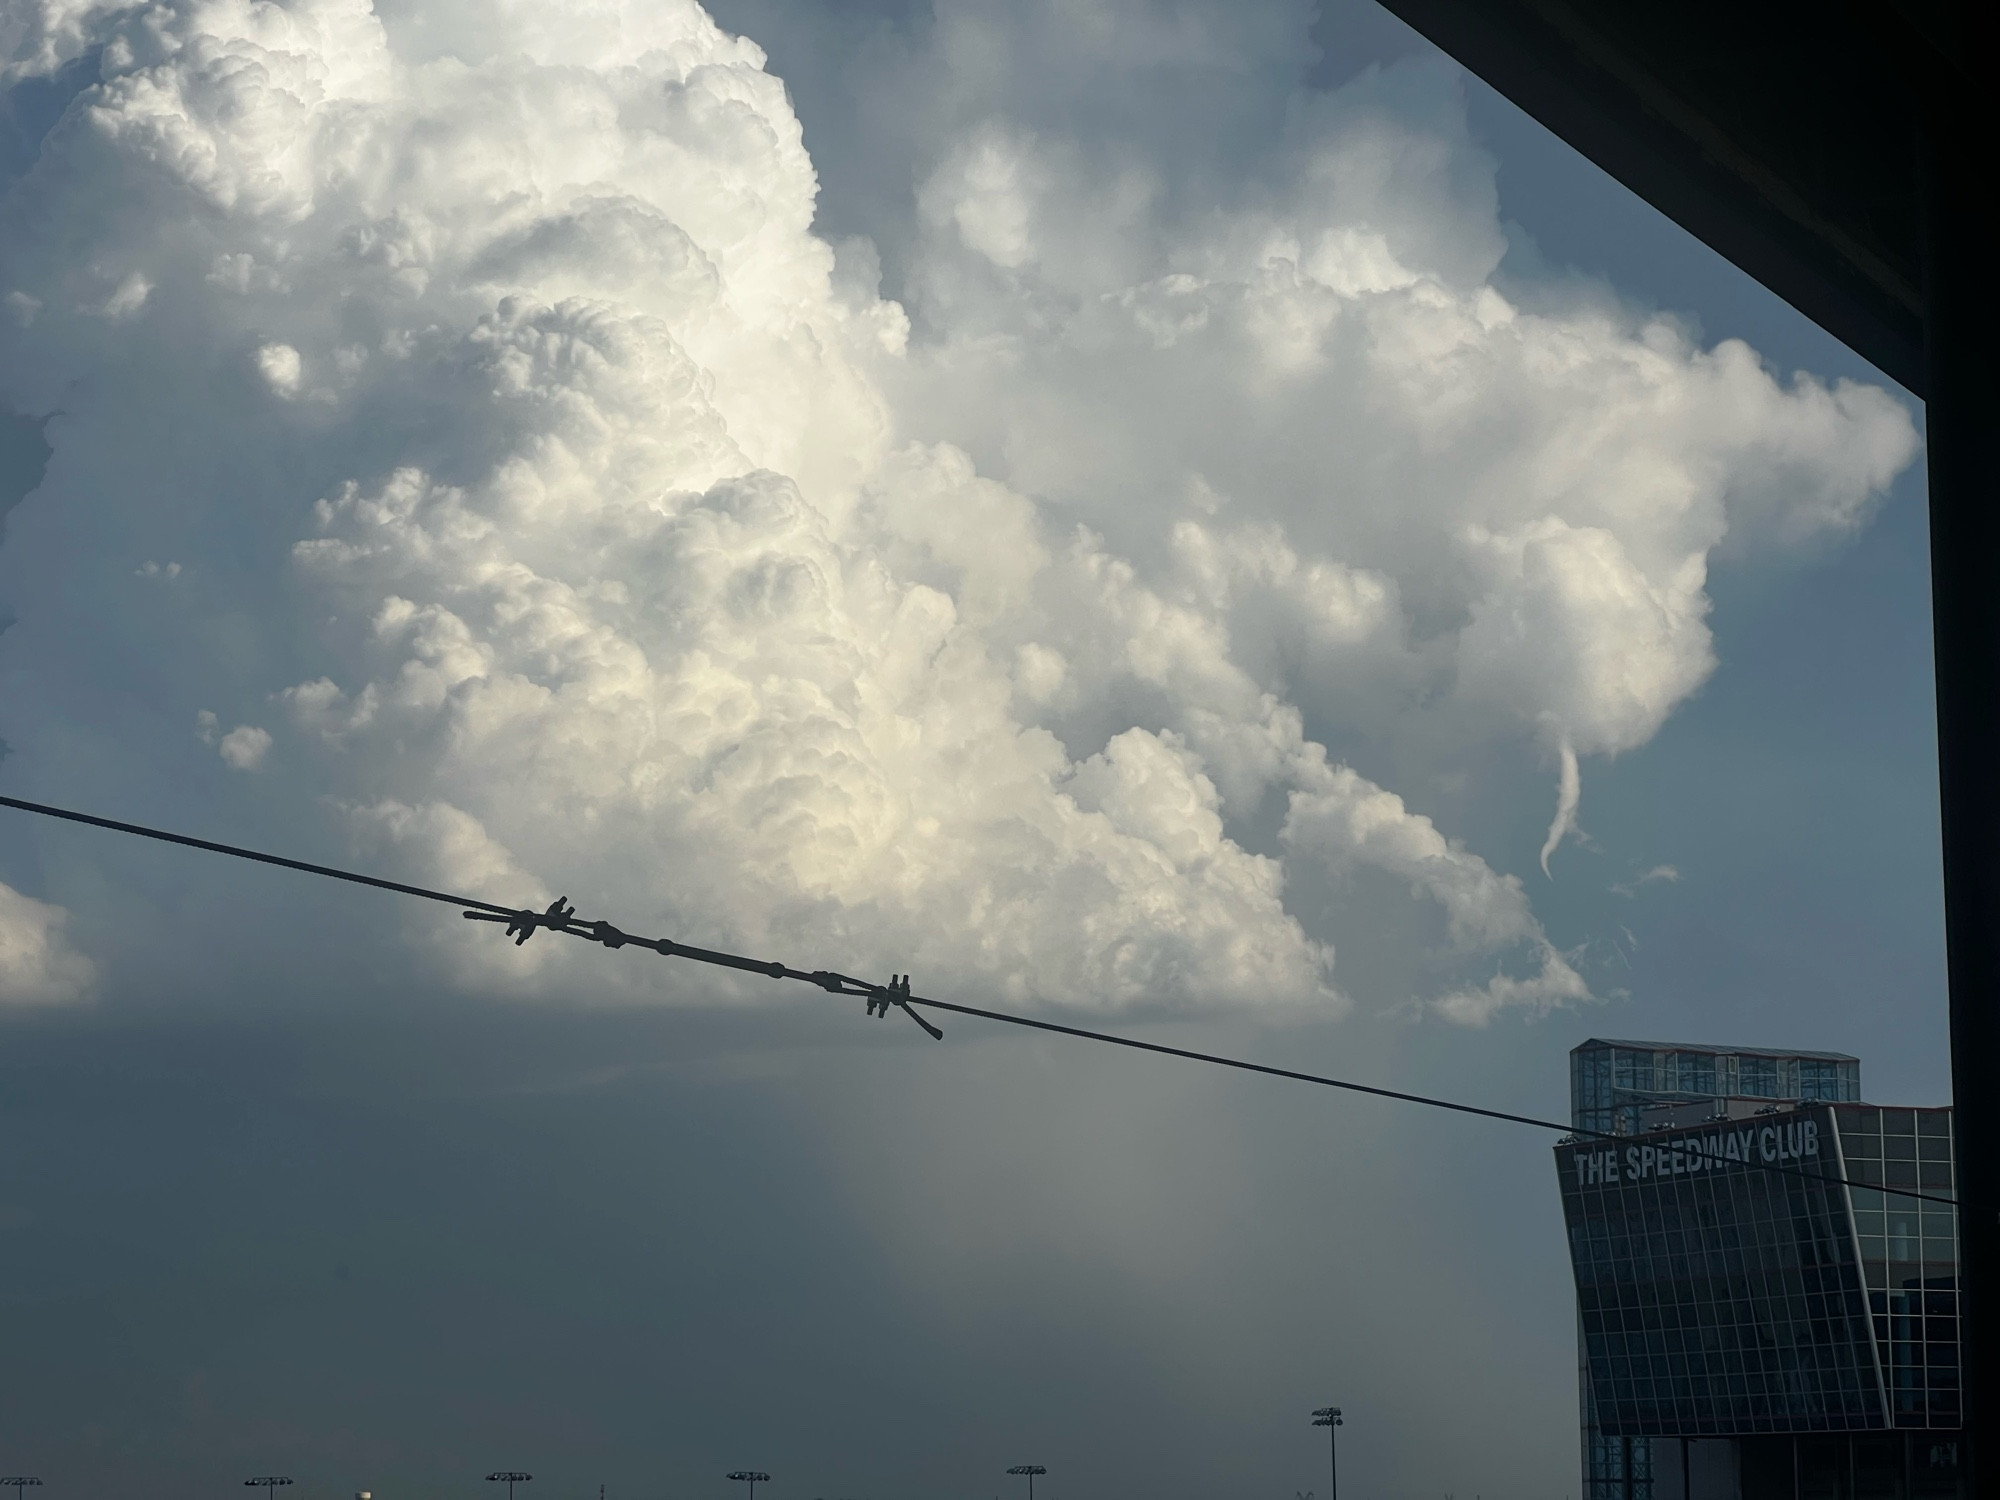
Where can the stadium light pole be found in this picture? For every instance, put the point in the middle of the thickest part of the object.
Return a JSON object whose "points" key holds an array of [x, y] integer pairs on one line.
{"points": [[19, 1481], [1329, 1418], [269, 1482], [1031, 1470], [751, 1477], [512, 1478]]}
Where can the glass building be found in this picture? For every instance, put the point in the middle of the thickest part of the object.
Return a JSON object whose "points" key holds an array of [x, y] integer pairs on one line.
{"points": [[1756, 1313], [1621, 1086]]}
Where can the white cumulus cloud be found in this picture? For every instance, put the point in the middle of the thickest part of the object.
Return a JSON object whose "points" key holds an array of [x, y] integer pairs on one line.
{"points": [[245, 746], [606, 537]]}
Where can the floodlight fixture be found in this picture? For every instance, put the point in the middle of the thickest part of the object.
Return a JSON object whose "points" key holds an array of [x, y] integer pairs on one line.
{"points": [[269, 1482], [510, 1477], [1031, 1470], [1329, 1418], [751, 1477], [19, 1481]]}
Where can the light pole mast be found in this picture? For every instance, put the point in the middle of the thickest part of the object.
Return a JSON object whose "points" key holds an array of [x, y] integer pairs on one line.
{"points": [[753, 1477], [1031, 1470], [512, 1478], [1329, 1418]]}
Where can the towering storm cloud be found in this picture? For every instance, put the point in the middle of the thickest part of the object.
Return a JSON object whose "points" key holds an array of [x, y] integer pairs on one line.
{"points": [[458, 431]]}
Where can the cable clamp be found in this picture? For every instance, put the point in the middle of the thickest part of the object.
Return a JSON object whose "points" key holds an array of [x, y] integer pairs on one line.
{"points": [[556, 919], [897, 992], [521, 925]]}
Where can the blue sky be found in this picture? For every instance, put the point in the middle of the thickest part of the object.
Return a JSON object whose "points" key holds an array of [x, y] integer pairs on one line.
{"points": [[1120, 510]]}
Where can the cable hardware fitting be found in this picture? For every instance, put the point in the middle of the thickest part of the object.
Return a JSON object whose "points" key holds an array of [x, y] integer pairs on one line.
{"points": [[560, 916], [897, 992], [522, 925]]}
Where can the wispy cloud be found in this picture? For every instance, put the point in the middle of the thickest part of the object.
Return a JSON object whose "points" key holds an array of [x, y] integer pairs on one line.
{"points": [[1659, 873], [1569, 791]]}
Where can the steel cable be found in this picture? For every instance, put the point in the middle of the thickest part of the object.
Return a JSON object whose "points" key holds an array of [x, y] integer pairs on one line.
{"points": [[560, 916]]}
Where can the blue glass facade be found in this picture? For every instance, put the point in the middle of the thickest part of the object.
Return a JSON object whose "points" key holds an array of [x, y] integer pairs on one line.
{"points": [[1721, 1298], [1719, 1302]]}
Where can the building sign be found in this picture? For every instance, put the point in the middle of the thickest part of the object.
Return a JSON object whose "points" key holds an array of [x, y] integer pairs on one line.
{"points": [[1672, 1155]]}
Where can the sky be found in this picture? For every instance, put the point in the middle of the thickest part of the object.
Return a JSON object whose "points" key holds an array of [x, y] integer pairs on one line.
{"points": [[1193, 519]]}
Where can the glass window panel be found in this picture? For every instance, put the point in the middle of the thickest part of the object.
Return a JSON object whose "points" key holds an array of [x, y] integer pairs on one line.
{"points": [[1697, 1073], [1758, 1077]]}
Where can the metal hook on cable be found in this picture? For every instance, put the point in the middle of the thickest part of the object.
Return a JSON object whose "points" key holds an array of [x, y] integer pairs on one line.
{"points": [[897, 992], [880, 997], [521, 925]]}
